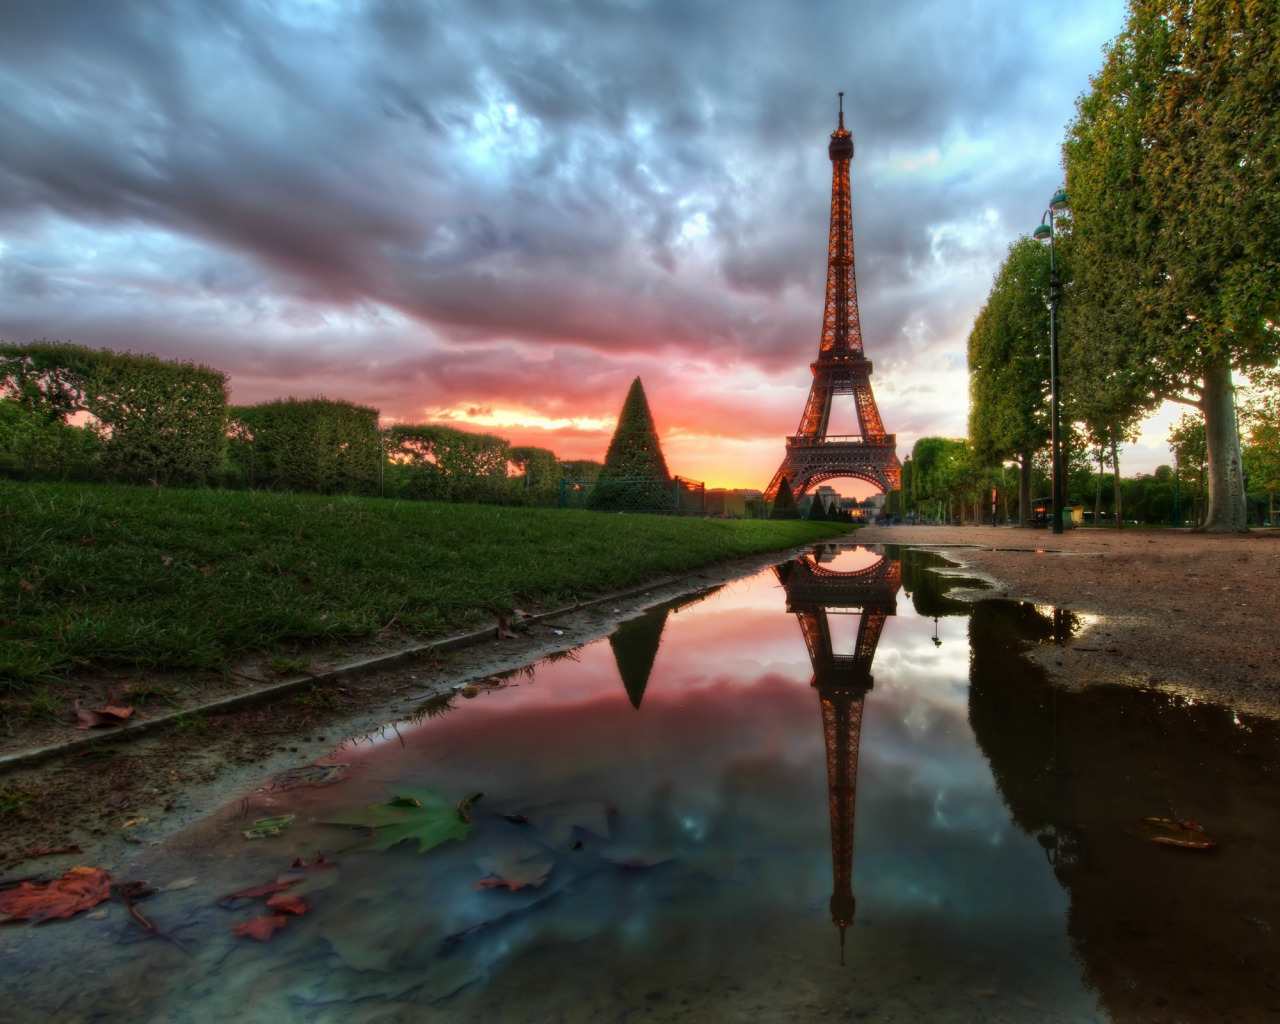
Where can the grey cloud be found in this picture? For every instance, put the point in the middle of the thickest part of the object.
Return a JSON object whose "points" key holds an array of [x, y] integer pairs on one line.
{"points": [[363, 156]]}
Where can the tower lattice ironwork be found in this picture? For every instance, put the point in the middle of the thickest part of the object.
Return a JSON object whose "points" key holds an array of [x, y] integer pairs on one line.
{"points": [[841, 368], [843, 681]]}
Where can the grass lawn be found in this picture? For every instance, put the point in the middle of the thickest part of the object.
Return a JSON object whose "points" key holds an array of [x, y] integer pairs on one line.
{"points": [[143, 578]]}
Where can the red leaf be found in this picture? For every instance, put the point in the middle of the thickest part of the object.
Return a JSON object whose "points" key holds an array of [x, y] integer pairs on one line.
{"points": [[25, 585], [260, 928], [504, 631], [89, 718], [287, 904], [79, 889], [262, 890]]}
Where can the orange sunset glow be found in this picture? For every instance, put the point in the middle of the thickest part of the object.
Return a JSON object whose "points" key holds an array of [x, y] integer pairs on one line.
{"points": [[497, 224]]}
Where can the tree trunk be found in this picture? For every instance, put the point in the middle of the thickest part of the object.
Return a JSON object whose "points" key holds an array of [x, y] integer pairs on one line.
{"points": [[1097, 492], [1115, 470], [1024, 490], [1226, 484]]}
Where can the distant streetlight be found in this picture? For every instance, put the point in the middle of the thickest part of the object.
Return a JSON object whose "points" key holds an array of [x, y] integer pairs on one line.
{"points": [[1043, 233], [906, 491]]}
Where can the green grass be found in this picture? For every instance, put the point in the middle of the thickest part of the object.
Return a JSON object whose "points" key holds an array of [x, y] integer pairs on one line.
{"points": [[12, 799], [186, 580]]}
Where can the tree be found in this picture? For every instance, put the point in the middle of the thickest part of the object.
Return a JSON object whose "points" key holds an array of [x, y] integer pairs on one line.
{"points": [[1260, 413], [1172, 172], [784, 503], [1009, 366], [634, 454], [1187, 442], [940, 474], [539, 474]]}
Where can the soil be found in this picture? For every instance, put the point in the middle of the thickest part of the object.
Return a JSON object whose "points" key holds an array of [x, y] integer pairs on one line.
{"points": [[1183, 611], [1162, 608]]}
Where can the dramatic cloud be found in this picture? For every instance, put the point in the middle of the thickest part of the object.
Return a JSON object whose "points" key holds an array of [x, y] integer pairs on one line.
{"points": [[500, 212]]}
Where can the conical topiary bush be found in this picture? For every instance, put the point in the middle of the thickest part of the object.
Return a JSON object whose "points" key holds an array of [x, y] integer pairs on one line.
{"points": [[635, 476], [784, 505]]}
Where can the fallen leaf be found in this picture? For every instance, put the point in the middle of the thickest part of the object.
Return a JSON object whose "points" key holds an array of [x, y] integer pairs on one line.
{"points": [[306, 775], [416, 814], [261, 890], [206, 570], [139, 820], [166, 560], [181, 883], [504, 631], [260, 928], [287, 903], [265, 827], [79, 889], [25, 585], [464, 806], [1185, 834], [515, 869], [112, 714]]}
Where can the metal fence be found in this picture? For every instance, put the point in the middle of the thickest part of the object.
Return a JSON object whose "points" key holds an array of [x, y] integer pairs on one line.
{"points": [[663, 497]]}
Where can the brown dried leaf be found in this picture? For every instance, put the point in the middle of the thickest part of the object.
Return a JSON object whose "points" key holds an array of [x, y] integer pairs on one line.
{"points": [[262, 890], [112, 714], [287, 903], [79, 889], [260, 928]]}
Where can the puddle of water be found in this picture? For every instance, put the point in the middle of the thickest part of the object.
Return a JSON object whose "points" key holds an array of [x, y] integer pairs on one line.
{"points": [[830, 761]]}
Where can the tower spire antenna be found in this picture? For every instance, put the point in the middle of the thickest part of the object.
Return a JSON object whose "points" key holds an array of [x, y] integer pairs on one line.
{"points": [[842, 110]]}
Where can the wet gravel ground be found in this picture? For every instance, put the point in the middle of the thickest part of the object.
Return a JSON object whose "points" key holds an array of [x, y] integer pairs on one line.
{"points": [[1189, 612]]}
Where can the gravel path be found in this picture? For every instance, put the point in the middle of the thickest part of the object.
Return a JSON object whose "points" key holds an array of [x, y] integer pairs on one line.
{"points": [[1194, 613]]}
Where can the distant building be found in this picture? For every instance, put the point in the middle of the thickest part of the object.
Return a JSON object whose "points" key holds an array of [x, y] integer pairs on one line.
{"points": [[726, 504]]}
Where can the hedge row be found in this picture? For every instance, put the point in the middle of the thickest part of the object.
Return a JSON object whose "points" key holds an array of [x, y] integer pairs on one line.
{"points": [[169, 422]]}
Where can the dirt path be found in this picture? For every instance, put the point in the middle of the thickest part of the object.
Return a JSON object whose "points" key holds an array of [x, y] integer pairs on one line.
{"points": [[1198, 614]]}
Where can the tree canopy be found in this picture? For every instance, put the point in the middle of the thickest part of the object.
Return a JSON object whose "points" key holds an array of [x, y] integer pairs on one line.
{"points": [[1173, 166]]}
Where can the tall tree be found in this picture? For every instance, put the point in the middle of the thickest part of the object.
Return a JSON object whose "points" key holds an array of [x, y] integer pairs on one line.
{"points": [[1260, 412], [1009, 366], [1172, 169]]}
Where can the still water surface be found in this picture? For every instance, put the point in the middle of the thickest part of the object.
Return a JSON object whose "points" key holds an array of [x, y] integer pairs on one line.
{"points": [[827, 791]]}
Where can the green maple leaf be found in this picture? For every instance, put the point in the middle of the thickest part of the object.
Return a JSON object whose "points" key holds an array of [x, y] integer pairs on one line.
{"points": [[414, 814]]}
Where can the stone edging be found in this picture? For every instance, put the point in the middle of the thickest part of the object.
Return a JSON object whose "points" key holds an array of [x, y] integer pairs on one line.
{"points": [[350, 670]]}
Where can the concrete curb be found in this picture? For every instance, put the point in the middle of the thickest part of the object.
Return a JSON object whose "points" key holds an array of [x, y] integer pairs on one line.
{"points": [[351, 670]]}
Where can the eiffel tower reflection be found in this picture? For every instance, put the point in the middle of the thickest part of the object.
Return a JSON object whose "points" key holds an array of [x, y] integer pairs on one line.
{"points": [[816, 591]]}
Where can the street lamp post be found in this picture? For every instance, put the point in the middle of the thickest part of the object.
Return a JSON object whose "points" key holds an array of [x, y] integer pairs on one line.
{"points": [[906, 489], [1043, 232]]}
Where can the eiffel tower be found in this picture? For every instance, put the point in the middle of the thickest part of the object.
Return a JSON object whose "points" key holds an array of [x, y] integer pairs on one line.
{"points": [[841, 368], [843, 682]]}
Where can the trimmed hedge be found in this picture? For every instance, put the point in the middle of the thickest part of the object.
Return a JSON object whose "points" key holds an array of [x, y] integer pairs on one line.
{"points": [[159, 420]]}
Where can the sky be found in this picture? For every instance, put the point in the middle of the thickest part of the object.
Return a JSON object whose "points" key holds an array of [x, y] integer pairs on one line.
{"points": [[495, 214]]}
